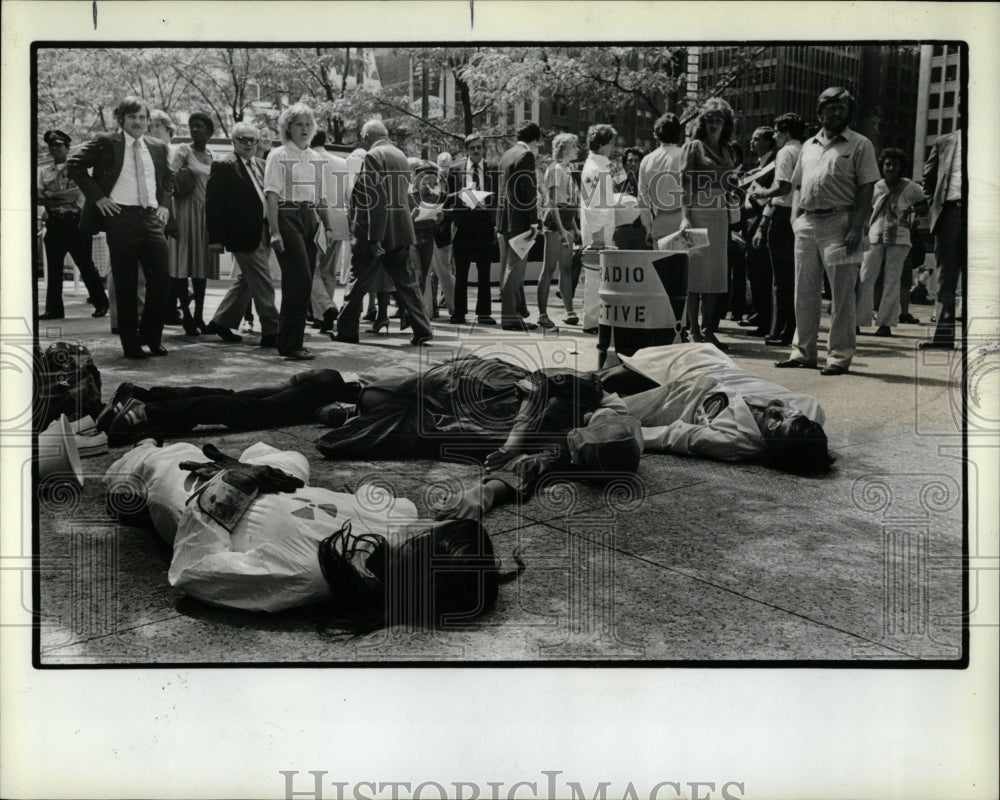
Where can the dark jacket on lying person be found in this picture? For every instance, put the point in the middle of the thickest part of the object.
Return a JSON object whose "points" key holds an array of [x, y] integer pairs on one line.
{"points": [[466, 406]]}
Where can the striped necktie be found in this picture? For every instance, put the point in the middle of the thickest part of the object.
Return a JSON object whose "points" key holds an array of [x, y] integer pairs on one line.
{"points": [[140, 175]]}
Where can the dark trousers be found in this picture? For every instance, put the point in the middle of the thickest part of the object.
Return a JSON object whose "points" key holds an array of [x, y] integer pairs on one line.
{"points": [[135, 236], [760, 273], [465, 254], [781, 244], [179, 409], [297, 226], [950, 250], [364, 266], [739, 257], [422, 252], [62, 236]]}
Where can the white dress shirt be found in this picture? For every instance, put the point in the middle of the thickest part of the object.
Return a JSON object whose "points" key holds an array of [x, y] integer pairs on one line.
{"points": [[126, 189]]}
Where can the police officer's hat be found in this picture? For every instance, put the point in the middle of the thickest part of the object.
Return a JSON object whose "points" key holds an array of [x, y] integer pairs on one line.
{"points": [[56, 137]]}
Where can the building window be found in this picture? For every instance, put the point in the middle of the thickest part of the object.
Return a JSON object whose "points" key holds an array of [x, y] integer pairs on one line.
{"points": [[510, 116], [935, 101], [953, 48], [527, 110], [935, 74], [949, 99], [932, 127], [939, 49], [946, 125], [951, 72]]}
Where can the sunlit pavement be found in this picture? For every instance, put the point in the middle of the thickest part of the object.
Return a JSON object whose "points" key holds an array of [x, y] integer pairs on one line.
{"points": [[689, 561]]}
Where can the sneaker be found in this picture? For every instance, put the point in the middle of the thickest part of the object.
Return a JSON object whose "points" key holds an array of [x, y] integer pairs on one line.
{"points": [[908, 319], [545, 322], [572, 319], [122, 395], [129, 423]]}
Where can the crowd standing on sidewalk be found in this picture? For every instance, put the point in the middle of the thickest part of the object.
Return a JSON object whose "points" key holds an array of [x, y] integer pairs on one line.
{"points": [[768, 232]]}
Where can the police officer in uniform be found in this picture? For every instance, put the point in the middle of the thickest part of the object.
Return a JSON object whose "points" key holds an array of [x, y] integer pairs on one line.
{"points": [[63, 202]]}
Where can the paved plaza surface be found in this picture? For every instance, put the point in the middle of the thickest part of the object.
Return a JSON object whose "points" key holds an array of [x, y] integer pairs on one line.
{"points": [[688, 561]]}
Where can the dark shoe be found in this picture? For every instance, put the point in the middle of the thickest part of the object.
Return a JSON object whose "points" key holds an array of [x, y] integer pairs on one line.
{"points": [[908, 319], [792, 363], [777, 341], [456, 320], [190, 326], [883, 330], [47, 316], [134, 352], [589, 330], [417, 341], [157, 350], [545, 322], [750, 322], [202, 326], [269, 340], [101, 311], [758, 333], [122, 394], [522, 327], [114, 331], [572, 319], [174, 319], [379, 326], [297, 355], [345, 339], [128, 424], [485, 320], [222, 332], [934, 344], [833, 369]]}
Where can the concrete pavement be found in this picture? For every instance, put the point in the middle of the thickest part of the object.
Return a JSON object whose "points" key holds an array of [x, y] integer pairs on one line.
{"points": [[691, 561]]}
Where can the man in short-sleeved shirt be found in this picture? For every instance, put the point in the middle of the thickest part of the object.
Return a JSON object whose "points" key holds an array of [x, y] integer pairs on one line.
{"points": [[835, 175]]}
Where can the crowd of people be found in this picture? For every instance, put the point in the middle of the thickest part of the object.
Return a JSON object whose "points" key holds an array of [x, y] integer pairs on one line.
{"points": [[793, 219], [797, 217]]}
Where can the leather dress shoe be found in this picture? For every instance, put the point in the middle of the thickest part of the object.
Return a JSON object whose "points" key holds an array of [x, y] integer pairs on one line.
{"points": [[223, 333], [934, 344], [522, 327], [833, 369], [883, 330], [485, 320], [297, 355], [48, 316], [417, 341], [269, 340], [792, 363], [134, 352], [344, 339], [101, 311], [777, 341], [456, 320], [157, 350]]}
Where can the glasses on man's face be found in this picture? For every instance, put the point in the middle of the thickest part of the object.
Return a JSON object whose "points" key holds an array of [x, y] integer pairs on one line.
{"points": [[246, 139]]}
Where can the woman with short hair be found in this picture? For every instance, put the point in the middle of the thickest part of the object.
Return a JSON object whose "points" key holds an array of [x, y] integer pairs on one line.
{"points": [[191, 256], [561, 232], [889, 235], [295, 193]]}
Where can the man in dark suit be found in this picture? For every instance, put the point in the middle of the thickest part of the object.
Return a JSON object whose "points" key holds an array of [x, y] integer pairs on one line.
{"points": [[234, 210], [517, 212], [944, 183], [127, 183], [474, 228], [382, 232]]}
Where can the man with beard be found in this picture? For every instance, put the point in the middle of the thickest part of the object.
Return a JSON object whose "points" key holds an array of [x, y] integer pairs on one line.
{"points": [[836, 174]]}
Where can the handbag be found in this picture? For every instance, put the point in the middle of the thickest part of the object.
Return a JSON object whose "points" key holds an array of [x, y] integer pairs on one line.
{"points": [[183, 182]]}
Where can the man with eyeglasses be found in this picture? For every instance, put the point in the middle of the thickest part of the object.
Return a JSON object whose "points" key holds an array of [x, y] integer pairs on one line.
{"points": [[474, 229], [234, 207]]}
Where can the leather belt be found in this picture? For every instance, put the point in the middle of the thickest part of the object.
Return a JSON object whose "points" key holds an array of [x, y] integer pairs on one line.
{"points": [[825, 212]]}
